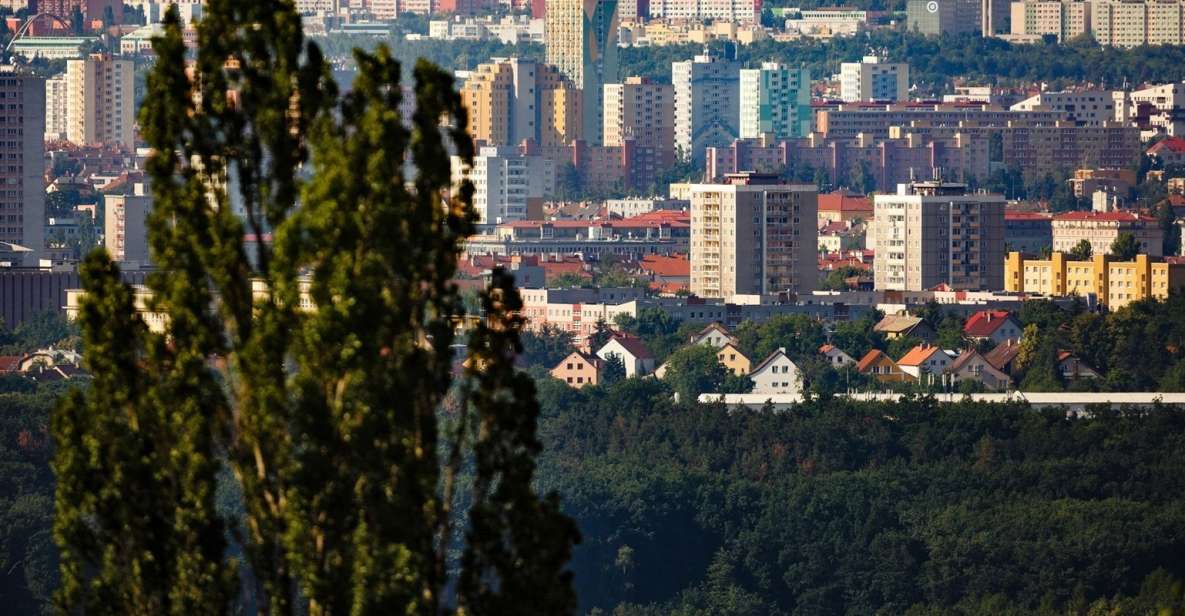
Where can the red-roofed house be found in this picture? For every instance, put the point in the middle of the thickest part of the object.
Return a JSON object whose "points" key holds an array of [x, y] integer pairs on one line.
{"points": [[924, 359], [995, 326], [1073, 369], [9, 364], [667, 274], [638, 359], [881, 367], [1170, 151], [842, 206], [1101, 229]]}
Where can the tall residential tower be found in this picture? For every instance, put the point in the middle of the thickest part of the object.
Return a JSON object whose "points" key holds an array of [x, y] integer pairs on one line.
{"points": [[707, 99], [582, 43]]}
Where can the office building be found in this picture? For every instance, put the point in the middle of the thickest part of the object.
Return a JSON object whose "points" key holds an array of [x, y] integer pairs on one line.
{"points": [[22, 202], [125, 230], [100, 101], [775, 100], [753, 235], [511, 100], [507, 185], [1102, 228], [1062, 19], [56, 106], [1111, 283], [643, 111], [582, 44], [707, 104], [873, 80], [938, 17], [936, 233]]}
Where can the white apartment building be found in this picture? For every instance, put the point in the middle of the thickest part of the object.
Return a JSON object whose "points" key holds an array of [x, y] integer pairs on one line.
{"points": [[1164, 106], [125, 232], [22, 200], [740, 11], [507, 186], [753, 235], [1064, 19], [1086, 108], [873, 80], [707, 104], [932, 233], [775, 100], [100, 101], [1102, 228], [55, 107]]}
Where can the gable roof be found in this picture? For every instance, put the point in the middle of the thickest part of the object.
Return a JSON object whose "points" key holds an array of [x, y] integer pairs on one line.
{"points": [[9, 363], [963, 358], [632, 345], [843, 201], [733, 346], [769, 360], [713, 326], [984, 323], [1172, 144], [1003, 354], [897, 324], [588, 358], [871, 358], [918, 355]]}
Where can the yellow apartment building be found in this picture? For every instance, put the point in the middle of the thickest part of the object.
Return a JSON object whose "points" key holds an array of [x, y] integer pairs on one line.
{"points": [[1115, 283]]}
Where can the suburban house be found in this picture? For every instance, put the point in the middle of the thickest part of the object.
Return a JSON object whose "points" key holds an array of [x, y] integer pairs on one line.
{"points": [[836, 357], [1073, 369], [972, 366], [902, 326], [10, 363], [777, 375], [924, 359], [881, 367], [715, 335], [732, 358], [579, 369], [1003, 356], [995, 326], [638, 359]]}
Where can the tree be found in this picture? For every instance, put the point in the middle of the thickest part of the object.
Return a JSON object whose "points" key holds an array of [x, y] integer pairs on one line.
{"points": [[600, 336], [694, 370], [1125, 247], [613, 370], [546, 346], [333, 420], [1082, 251], [1168, 225]]}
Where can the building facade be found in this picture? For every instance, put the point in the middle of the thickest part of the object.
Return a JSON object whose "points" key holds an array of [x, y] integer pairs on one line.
{"points": [[1113, 284], [582, 44], [507, 186], [1062, 19], [644, 111], [873, 80], [125, 232], [707, 104], [934, 232], [775, 100], [22, 202], [100, 101], [56, 107], [511, 100], [753, 235], [1102, 228]]}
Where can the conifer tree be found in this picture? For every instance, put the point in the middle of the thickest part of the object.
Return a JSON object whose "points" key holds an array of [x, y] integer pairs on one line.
{"points": [[334, 343]]}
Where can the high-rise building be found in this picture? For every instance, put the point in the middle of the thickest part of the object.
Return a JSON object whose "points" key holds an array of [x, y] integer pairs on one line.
{"points": [[1134, 23], [934, 232], [511, 100], [1083, 108], [775, 100], [125, 229], [641, 110], [938, 17], [56, 107], [508, 186], [582, 43], [738, 11], [873, 80], [994, 16], [707, 104], [92, 11], [22, 201], [100, 101], [1064, 19], [753, 235]]}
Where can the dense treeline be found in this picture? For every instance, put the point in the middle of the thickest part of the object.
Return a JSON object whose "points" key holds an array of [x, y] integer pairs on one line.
{"points": [[834, 507], [934, 62]]}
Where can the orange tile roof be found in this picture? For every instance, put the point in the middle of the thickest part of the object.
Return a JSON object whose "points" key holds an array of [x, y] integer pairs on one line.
{"points": [[870, 358], [662, 265], [918, 355]]}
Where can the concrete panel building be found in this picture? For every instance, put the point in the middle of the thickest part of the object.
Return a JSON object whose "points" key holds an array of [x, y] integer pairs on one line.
{"points": [[707, 99], [873, 80], [1114, 284], [775, 100], [507, 186], [934, 232], [644, 111], [101, 106], [1101, 229], [125, 233], [753, 235], [22, 202], [582, 44]]}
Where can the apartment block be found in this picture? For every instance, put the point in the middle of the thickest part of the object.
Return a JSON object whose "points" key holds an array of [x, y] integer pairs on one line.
{"points": [[740, 11], [753, 235], [582, 44], [938, 17], [1101, 229], [641, 110], [22, 201], [1155, 110], [1063, 19], [707, 104], [775, 100], [934, 232], [1113, 284], [507, 186], [100, 101], [850, 120], [1131, 24], [873, 80], [511, 100], [125, 232], [1084, 108], [56, 107]]}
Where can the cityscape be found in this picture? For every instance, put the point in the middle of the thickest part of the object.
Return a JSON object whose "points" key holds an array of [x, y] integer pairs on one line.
{"points": [[629, 307]]}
